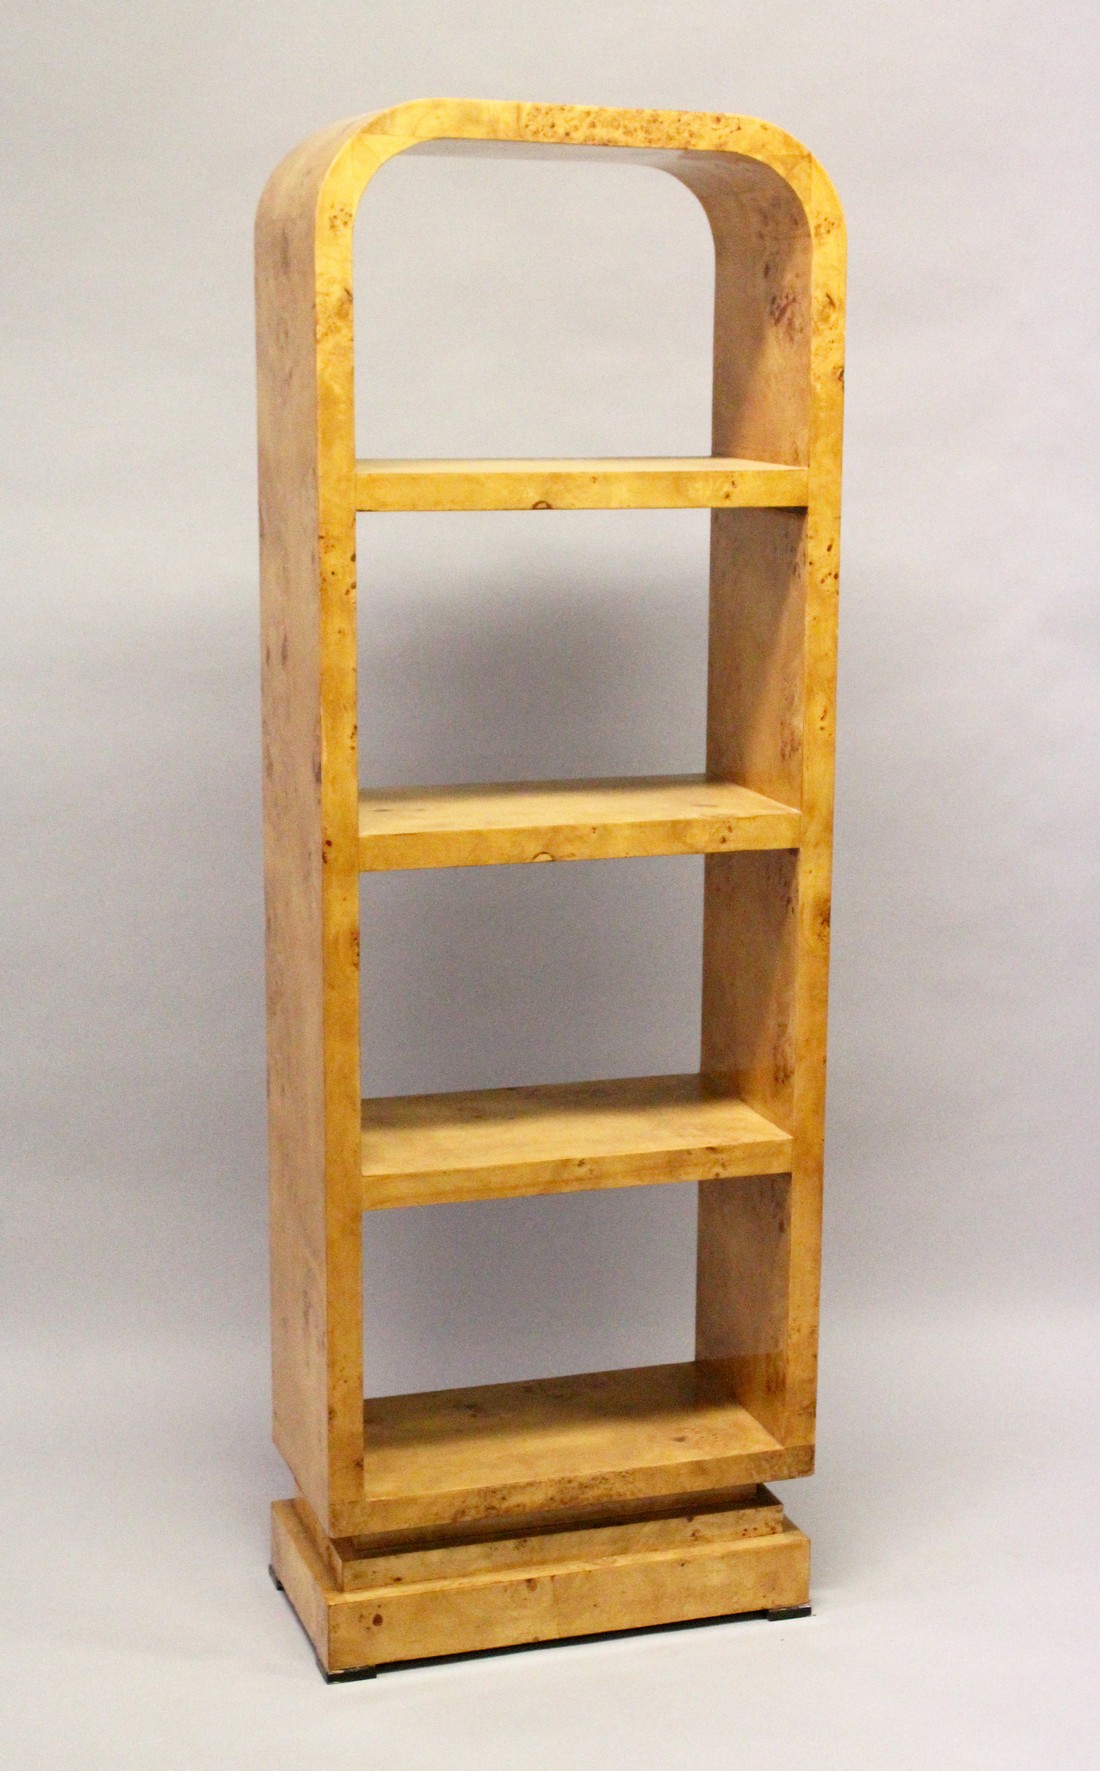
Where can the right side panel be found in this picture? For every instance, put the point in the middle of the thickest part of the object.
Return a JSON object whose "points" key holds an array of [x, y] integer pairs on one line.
{"points": [[778, 329]]}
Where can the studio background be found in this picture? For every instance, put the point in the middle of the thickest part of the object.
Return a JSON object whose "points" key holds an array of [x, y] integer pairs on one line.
{"points": [[528, 309]]}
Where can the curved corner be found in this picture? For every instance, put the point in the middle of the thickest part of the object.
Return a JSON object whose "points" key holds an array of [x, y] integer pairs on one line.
{"points": [[300, 174]]}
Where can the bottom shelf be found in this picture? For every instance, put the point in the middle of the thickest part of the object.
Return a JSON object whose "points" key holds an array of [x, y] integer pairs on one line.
{"points": [[551, 1445]]}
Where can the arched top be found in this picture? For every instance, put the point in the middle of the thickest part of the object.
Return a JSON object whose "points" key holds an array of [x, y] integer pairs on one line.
{"points": [[779, 262], [579, 126], [709, 151]]}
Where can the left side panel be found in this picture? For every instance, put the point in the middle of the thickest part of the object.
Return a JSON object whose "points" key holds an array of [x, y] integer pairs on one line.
{"points": [[316, 1305]]}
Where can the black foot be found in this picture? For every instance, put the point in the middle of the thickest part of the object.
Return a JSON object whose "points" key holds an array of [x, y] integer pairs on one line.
{"points": [[782, 1613]]}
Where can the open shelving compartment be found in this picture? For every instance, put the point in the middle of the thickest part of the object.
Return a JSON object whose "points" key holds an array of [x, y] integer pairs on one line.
{"points": [[490, 1516]]}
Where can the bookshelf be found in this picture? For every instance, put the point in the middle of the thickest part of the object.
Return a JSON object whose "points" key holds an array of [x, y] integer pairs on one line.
{"points": [[502, 1514]]}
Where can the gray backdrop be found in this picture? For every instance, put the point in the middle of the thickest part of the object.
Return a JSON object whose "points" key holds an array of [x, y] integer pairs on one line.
{"points": [[517, 308]]}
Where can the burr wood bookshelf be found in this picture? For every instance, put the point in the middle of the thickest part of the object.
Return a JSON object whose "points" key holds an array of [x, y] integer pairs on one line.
{"points": [[433, 1524]]}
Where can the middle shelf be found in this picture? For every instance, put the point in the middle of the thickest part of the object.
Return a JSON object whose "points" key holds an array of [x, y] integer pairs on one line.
{"points": [[561, 1137], [590, 820], [679, 482]]}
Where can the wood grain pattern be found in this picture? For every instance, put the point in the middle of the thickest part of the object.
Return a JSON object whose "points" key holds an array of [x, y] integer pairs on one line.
{"points": [[744, 1282], [525, 821], [308, 661], [561, 1138], [553, 1444], [358, 1563], [606, 1588], [778, 383], [654, 483], [773, 483]]}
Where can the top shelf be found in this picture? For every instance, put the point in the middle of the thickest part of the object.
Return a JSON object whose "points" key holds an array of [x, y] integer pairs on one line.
{"points": [[702, 482]]}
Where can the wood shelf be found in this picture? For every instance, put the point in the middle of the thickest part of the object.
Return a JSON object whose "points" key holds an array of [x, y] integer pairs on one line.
{"points": [[594, 1440], [525, 821], [596, 1458], [679, 482], [561, 1138]]}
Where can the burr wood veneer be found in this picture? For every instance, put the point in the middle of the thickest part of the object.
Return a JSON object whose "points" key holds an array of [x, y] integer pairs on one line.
{"points": [[468, 1519]]}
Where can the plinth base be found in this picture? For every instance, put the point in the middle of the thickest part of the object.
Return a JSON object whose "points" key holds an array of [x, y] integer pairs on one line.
{"points": [[368, 1603]]}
